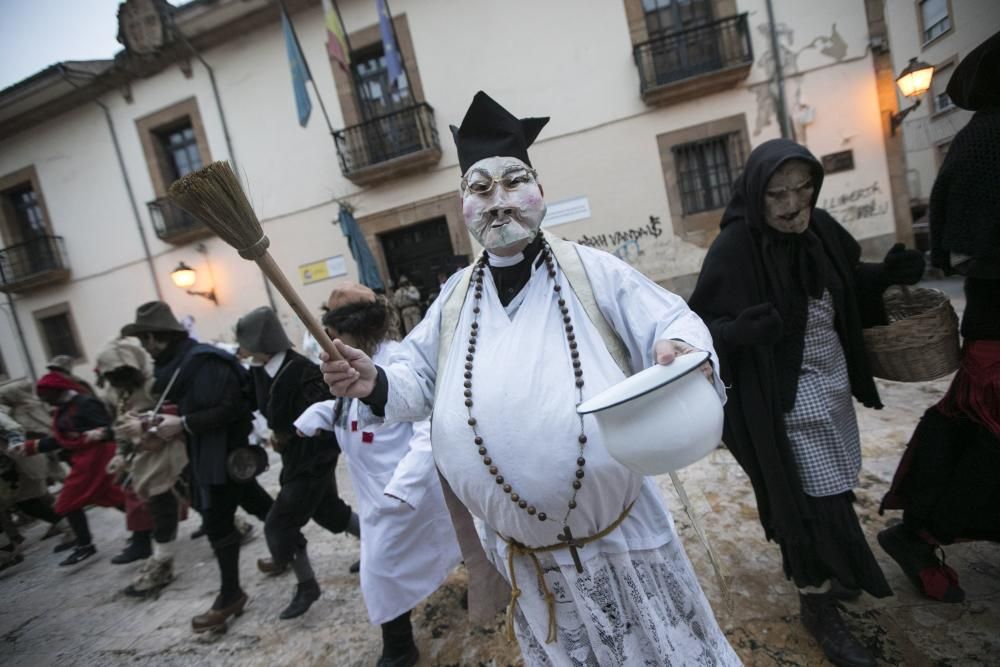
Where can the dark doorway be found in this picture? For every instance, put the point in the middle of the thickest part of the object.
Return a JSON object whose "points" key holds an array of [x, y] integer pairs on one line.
{"points": [[420, 252]]}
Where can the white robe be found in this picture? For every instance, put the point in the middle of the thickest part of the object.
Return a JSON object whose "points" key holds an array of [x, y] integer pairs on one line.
{"points": [[525, 397], [408, 545]]}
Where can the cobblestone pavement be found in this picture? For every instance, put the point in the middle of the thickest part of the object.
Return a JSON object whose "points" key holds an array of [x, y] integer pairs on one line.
{"points": [[51, 616]]}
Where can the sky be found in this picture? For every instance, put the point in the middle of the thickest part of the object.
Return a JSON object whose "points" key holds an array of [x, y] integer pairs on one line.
{"points": [[37, 33]]}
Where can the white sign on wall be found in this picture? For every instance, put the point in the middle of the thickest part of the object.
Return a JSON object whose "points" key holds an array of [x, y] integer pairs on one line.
{"points": [[323, 269], [567, 210]]}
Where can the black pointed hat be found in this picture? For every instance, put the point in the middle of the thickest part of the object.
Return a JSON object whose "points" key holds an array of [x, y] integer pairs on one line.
{"points": [[489, 130]]}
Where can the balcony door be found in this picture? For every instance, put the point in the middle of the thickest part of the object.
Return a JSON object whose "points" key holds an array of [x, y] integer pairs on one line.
{"points": [[679, 49], [29, 232], [390, 129]]}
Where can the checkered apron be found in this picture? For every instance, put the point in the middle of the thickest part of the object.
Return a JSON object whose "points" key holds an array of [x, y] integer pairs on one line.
{"points": [[822, 427]]}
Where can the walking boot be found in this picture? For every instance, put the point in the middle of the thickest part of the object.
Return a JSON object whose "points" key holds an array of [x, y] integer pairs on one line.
{"points": [[821, 616], [398, 647], [215, 618], [155, 575], [269, 567], [355, 567], [139, 548], [917, 560], [306, 593], [78, 555]]}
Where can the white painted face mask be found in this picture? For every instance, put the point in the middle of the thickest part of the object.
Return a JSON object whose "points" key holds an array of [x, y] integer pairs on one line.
{"points": [[502, 204], [788, 197]]}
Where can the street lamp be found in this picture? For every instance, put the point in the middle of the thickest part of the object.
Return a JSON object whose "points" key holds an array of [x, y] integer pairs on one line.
{"points": [[185, 277], [913, 81]]}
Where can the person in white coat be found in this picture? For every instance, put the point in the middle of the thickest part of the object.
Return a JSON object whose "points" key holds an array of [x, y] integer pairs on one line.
{"points": [[596, 571], [408, 544]]}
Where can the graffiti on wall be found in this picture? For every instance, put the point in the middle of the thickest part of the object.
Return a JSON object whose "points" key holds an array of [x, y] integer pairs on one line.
{"points": [[624, 238], [859, 204]]}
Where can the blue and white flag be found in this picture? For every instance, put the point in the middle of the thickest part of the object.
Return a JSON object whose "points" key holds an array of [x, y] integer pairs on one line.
{"points": [[300, 71], [393, 62]]}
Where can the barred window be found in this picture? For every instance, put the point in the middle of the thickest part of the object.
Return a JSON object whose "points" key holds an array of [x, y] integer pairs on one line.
{"points": [[706, 171]]}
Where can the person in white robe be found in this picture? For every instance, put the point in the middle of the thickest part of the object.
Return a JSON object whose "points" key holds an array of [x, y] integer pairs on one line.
{"points": [[408, 544], [597, 573]]}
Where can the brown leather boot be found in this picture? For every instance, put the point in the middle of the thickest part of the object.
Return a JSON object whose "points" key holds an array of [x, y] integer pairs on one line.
{"points": [[269, 567], [215, 619]]}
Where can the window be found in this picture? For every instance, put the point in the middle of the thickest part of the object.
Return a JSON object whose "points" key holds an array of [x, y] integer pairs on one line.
{"points": [[58, 332], [377, 95], [935, 19], [179, 148], [706, 171], [664, 16], [700, 165], [940, 101]]}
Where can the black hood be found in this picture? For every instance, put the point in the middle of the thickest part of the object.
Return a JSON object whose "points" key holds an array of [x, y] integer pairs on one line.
{"points": [[975, 84], [748, 192]]}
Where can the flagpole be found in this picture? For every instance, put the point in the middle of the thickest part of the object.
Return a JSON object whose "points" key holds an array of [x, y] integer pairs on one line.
{"points": [[399, 47], [305, 62]]}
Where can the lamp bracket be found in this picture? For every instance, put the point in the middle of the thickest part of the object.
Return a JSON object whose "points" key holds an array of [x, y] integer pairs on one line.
{"points": [[896, 119]]}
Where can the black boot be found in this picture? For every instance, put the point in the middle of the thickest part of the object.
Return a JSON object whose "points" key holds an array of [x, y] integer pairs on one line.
{"points": [[139, 547], [821, 616], [305, 594], [79, 554], [398, 647]]}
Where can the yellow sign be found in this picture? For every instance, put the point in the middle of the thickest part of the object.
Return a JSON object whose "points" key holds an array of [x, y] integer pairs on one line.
{"points": [[330, 267]]}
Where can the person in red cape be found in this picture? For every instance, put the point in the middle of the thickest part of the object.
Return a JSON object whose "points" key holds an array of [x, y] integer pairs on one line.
{"points": [[947, 483], [78, 425]]}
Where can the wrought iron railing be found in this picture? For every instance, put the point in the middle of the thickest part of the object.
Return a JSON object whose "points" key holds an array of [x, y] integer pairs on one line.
{"points": [[171, 222], [387, 137], [695, 51], [32, 258]]}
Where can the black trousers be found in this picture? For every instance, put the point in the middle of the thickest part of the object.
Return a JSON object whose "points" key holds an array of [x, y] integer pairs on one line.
{"points": [[38, 508], [164, 509], [77, 520], [308, 495], [222, 501]]}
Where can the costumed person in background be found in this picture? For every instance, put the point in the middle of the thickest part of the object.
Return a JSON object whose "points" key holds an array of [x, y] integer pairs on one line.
{"points": [[948, 481], [406, 299], [211, 390], [285, 384], [24, 485], [408, 545], [35, 418], [785, 294], [63, 365], [88, 481], [151, 466], [501, 361]]}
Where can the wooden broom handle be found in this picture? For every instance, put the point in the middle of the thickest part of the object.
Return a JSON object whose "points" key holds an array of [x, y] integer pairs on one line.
{"points": [[292, 298]]}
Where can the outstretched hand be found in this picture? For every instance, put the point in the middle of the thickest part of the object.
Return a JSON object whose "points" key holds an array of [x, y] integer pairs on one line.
{"points": [[353, 377]]}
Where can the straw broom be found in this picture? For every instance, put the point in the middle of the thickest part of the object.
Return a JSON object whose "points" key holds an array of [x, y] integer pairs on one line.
{"points": [[214, 196]]}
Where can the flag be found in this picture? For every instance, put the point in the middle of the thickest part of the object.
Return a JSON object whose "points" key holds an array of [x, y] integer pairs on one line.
{"points": [[300, 71], [336, 38], [393, 64], [362, 254]]}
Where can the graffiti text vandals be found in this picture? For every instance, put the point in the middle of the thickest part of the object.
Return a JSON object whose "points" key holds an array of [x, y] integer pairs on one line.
{"points": [[616, 239]]}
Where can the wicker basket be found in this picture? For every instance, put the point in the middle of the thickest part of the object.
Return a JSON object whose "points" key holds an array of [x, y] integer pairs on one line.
{"points": [[921, 340]]}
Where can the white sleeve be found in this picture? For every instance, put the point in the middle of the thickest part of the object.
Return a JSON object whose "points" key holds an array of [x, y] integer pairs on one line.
{"points": [[641, 312], [416, 470], [317, 417]]}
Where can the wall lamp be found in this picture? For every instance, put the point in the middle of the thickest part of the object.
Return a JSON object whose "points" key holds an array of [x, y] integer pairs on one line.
{"points": [[913, 81], [185, 277]]}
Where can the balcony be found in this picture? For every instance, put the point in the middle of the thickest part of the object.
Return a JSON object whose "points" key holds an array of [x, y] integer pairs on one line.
{"points": [[35, 263], [388, 146], [175, 225], [696, 61]]}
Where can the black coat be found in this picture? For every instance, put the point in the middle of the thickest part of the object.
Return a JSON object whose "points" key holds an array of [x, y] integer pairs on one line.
{"points": [[282, 399], [212, 392], [733, 278]]}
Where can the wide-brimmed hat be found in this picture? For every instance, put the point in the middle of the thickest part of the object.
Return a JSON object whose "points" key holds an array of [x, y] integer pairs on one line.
{"points": [[153, 317], [975, 83]]}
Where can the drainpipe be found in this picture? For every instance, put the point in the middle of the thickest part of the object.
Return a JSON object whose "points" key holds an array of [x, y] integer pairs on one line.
{"points": [[225, 131], [779, 77], [64, 71]]}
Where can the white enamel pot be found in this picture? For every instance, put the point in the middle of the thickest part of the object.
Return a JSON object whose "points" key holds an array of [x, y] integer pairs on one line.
{"points": [[660, 419]]}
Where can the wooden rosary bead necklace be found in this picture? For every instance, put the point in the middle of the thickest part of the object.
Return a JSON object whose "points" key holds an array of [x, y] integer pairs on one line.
{"points": [[488, 461]]}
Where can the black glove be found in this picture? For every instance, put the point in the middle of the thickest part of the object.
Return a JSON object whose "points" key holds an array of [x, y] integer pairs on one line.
{"points": [[757, 325], [902, 266]]}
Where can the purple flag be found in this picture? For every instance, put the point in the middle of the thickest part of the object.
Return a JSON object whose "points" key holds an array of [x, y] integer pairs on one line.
{"points": [[393, 63]]}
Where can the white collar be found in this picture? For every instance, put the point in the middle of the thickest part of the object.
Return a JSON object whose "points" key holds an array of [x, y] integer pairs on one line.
{"points": [[274, 363], [497, 260]]}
